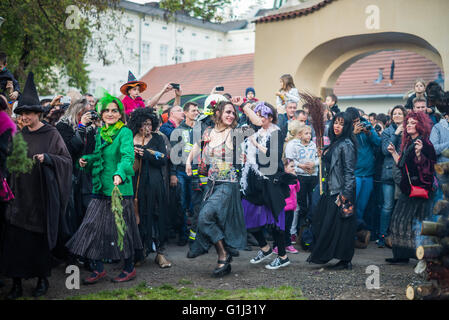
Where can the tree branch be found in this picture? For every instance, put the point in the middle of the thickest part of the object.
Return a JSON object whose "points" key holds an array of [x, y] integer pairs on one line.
{"points": [[47, 17]]}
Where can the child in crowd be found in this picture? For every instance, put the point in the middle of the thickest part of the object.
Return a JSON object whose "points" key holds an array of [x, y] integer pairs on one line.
{"points": [[9, 86], [419, 90], [301, 148], [132, 89], [286, 93], [290, 207], [250, 95]]}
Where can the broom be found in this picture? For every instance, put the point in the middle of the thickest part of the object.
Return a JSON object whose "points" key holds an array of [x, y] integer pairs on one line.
{"points": [[316, 111]]}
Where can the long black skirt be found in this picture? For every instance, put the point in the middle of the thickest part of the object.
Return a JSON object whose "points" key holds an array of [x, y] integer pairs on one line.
{"points": [[334, 235], [24, 254], [96, 238], [404, 225]]}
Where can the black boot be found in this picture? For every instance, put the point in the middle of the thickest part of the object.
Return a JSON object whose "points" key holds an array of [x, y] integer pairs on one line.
{"points": [[16, 290], [41, 287], [342, 265]]}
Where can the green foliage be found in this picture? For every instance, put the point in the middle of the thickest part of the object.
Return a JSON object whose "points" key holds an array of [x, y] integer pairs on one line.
{"points": [[204, 9], [47, 36], [18, 161], [169, 292], [117, 209]]}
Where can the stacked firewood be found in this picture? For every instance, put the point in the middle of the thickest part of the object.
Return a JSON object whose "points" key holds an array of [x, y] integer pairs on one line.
{"points": [[433, 266]]}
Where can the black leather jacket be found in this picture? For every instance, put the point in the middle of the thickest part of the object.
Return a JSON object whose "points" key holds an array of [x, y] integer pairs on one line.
{"points": [[341, 177]]}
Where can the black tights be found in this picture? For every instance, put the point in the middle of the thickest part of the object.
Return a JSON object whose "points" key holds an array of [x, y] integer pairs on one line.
{"points": [[279, 240]]}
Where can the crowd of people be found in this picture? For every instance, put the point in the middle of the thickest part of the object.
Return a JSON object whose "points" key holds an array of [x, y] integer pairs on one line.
{"points": [[231, 173]]}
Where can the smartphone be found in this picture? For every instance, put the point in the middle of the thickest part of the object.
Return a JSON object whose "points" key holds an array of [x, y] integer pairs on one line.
{"points": [[175, 85], [219, 88], [65, 100]]}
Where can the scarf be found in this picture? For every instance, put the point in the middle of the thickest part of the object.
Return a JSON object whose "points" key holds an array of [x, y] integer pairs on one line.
{"points": [[108, 133], [251, 151]]}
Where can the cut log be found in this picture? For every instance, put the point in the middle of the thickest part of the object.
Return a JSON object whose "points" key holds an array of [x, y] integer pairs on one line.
{"points": [[445, 189], [438, 272], [429, 228], [442, 168], [442, 206], [419, 292], [432, 251]]}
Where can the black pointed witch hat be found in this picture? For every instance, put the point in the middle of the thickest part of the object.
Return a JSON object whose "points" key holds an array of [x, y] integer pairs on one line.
{"points": [[29, 100], [132, 82]]}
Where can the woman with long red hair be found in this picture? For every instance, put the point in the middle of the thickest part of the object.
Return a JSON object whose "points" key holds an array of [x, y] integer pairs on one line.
{"points": [[416, 162]]}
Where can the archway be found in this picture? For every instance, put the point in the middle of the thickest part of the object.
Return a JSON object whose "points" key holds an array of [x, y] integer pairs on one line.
{"points": [[325, 63], [318, 39]]}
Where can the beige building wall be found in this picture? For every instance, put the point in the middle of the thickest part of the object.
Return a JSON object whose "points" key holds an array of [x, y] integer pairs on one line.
{"points": [[316, 48]]}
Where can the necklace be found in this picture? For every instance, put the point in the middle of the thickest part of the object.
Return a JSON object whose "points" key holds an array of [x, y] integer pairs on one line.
{"points": [[221, 130]]}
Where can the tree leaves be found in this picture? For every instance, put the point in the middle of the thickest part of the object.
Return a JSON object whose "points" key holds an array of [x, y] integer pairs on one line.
{"points": [[40, 36], [204, 9]]}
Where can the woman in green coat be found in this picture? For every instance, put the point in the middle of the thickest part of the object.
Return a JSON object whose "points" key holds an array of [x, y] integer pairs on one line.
{"points": [[111, 165]]}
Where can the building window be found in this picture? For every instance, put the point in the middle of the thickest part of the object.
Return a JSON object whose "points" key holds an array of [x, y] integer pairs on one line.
{"points": [[146, 51], [147, 24], [130, 46], [164, 28], [207, 37], [163, 54], [192, 55], [194, 34], [220, 40]]}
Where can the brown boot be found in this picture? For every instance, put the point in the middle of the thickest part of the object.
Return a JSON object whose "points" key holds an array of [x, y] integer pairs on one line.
{"points": [[360, 245], [363, 237], [388, 242], [162, 261]]}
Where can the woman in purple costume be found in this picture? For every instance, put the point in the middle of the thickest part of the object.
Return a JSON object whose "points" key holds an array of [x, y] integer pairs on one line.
{"points": [[265, 184]]}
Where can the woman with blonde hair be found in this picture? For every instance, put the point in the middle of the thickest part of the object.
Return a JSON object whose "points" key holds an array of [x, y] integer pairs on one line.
{"points": [[287, 92]]}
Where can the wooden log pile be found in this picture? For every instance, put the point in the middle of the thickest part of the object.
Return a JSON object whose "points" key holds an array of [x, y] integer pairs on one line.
{"points": [[433, 266]]}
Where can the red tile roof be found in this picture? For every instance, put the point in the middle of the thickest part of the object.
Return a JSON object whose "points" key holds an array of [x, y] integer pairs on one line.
{"points": [[358, 79], [295, 13], [234, 73]]}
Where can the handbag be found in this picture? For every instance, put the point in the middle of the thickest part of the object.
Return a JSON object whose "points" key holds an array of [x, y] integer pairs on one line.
{"points": [[5, 191], [416, 192], [345, 207]]}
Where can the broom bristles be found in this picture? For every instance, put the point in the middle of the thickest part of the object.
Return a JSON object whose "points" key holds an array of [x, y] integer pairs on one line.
{"points": [[316, 111]]}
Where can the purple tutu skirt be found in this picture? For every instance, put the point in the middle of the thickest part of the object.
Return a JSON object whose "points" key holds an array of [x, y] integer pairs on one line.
{"points": [[259, 216]]}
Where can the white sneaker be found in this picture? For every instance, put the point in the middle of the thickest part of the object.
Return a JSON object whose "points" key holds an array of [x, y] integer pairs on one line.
{"points": [[278, 263], [261, 256]]}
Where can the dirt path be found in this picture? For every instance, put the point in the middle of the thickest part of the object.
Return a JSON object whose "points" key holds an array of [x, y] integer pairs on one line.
{"points": [[316, 282]]}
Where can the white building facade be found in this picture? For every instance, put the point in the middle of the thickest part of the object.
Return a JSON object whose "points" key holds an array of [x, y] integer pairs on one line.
{"points": [[154, 41]]}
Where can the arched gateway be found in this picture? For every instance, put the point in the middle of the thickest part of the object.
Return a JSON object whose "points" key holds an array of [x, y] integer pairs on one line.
{"points": [[318, 40]]}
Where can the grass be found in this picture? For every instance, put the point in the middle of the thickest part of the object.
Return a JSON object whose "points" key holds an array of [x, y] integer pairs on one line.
{"points": [[181, 292]]}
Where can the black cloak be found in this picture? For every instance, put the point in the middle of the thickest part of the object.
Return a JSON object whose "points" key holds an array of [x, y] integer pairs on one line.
{"points": [[41, 196]]}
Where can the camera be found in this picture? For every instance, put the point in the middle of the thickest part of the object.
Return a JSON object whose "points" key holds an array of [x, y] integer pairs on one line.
{"points": [[378, 128], [175, 85], [366, 125], [219, 88], [94, 115], [65, 100]]}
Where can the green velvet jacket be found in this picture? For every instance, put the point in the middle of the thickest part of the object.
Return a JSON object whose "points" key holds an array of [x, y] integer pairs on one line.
{"points": [[109, 160]]}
